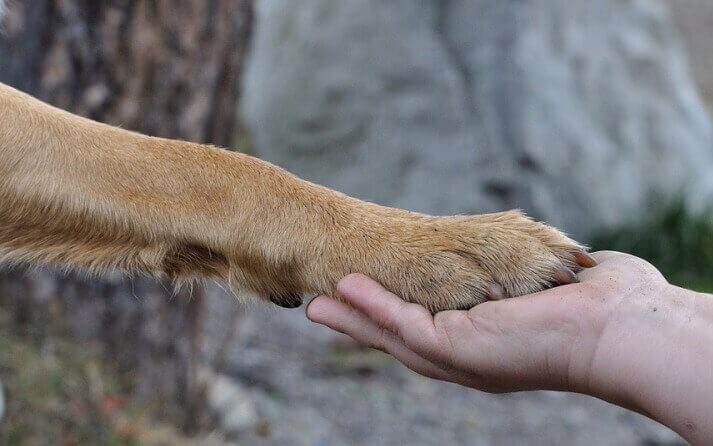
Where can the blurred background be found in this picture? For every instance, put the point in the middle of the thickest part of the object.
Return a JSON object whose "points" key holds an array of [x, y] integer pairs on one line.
{"points": [[592, 116]]}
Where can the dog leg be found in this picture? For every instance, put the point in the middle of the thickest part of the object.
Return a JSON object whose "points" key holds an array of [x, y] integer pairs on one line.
{"points": [[85, 195]]}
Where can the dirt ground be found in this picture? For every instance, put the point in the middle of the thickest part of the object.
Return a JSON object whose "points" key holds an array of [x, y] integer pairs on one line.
{"points": [[313, 387]]}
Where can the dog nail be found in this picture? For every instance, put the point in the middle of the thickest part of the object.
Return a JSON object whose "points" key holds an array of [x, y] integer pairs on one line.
{"points": [[565, 277], [288, 301], [585, 260]]}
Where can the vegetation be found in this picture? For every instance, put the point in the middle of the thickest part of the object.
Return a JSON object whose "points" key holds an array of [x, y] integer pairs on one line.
{"points": [[675, 240], [60, 392]]}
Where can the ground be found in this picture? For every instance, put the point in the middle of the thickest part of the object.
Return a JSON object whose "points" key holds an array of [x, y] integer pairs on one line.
{"points": [[314, 387]]}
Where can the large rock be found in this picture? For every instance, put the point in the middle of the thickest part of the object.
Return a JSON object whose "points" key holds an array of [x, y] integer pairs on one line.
{"points": [[694, 19], [579, 112]]}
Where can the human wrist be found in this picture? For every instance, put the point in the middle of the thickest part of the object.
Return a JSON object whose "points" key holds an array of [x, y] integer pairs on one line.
{"points": [[655, 356], [683, 398]]}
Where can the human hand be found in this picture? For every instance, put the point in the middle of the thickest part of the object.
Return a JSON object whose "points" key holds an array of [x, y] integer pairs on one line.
{"points": [[611, 335]]}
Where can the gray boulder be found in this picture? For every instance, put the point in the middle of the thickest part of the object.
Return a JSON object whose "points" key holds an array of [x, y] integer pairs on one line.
{"points": [[579, 112], [694, 20]]}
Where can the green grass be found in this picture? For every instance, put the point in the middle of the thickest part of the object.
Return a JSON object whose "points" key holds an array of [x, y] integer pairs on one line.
{"points": [[676, 241]]}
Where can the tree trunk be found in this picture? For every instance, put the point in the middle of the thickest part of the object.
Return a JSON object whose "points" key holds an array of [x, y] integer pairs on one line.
{"points": [[167, 68]]}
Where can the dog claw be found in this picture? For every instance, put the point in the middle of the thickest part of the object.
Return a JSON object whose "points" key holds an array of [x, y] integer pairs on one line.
{"points": [[288, 301], [565, 277], [585, 260]]}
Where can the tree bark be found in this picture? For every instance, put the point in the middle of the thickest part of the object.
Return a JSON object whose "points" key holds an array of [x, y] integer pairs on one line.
{"points": [[162, 67]]}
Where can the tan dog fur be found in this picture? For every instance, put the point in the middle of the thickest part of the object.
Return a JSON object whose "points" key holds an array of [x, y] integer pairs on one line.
{"points": [[85, 195]]}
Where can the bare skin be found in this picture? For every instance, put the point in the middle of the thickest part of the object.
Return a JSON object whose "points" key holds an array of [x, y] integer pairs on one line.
{"points": [[623, 334]]}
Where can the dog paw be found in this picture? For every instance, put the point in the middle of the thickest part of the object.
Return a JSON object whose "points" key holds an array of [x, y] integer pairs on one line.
{"points": [[447, 263]]}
